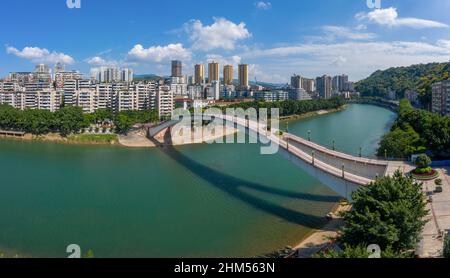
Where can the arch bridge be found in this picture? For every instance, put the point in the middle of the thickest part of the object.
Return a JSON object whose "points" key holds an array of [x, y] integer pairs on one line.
{"points": [[341, 172]]}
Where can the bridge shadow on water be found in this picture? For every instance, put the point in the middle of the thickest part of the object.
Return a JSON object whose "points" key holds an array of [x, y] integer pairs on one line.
{"points": [[233, 186]]}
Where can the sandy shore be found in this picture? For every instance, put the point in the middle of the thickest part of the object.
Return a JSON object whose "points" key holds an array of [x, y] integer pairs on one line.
{"points": [[319, 239], [138, 139]]}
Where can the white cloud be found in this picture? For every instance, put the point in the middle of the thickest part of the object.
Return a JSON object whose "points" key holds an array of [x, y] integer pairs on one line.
{"points": [[159, 53], [222, 34], [40, 55], [334, 32], [233, 60], [257, 72], [263, 5], [389, 17], [338, 61], [358, 59], [100, 62]]}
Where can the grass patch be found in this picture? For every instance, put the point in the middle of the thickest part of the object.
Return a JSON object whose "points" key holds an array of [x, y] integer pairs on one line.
{"points": [[93, 138]]}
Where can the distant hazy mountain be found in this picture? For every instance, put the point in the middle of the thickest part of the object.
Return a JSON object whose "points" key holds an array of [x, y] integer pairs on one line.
{"points": [[147, 77]]}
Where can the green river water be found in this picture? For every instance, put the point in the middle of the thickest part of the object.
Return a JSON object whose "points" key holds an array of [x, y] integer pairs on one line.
{"points": [[192, 201]]}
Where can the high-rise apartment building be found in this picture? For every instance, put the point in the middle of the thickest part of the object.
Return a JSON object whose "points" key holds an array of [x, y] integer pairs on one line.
{"points": [[228, 75], [324, 86], [213, 72], [296, 82], [112, 74], [340, 83], [199, 76], [441, 97], [309, 85], [126, 75], [243, 76], [165, 101], [177, 69]]}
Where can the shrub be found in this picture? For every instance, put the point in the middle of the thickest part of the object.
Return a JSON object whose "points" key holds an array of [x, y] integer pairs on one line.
{"points": [[447, 247], [423, 171], [438, 182], [423, 161]]}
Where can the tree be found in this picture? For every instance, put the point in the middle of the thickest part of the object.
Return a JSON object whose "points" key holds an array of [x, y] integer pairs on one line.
{"points": [[417, 131], [69, 120], [389, 212], [401, 143], [103, 115], [89, 254], [360, 252], [347, 252], [423, 161], [37, 121], [9, 117], [123, 123], [447, 246]]}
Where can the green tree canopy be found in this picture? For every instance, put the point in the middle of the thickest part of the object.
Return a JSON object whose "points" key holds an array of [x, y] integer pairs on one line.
{"points": [[69, 120], [388, 212]]}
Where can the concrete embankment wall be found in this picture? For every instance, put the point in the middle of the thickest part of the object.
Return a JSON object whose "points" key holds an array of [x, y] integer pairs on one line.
{"points": [[342, 187], [367, 170]]}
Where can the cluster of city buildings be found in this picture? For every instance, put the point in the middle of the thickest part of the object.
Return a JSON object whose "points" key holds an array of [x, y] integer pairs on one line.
{"points": [[110, 88], [441, 97], [115, 88]]}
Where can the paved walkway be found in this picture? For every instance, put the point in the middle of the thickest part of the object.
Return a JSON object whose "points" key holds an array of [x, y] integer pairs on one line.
{"points": [[438, 219]]}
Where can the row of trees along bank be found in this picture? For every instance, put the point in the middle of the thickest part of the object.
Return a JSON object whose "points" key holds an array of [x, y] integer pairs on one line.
{"points": [[293, 107], [417, 131], [69, 120]]}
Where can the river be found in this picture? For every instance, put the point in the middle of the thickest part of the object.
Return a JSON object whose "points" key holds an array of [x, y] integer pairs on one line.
{"points": [[189, 201]]}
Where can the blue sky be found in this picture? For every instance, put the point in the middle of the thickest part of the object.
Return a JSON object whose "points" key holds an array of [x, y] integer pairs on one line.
{"points": [[277, 38]]}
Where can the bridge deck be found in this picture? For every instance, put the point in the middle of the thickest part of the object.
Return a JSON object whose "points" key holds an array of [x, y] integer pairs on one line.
{"points": [[327, 160]]}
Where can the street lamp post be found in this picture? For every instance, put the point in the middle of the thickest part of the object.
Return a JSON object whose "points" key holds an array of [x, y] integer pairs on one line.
{"points": [[313, 157], [360, 152], [343, 171], [334, 145], [309, 135], [287, 133]]}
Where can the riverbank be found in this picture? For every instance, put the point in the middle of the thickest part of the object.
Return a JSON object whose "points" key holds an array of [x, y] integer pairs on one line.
{"points": [[313, 114], [138, 139], [75, 139], [319, 239], [391, 105]]}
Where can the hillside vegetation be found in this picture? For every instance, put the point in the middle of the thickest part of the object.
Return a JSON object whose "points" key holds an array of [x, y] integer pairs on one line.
{"points": [[415, 77]]}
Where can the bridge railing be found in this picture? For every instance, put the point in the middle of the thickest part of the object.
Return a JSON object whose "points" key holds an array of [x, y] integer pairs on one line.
{"points": [[359, 166], [335, 169], [338, 172]]}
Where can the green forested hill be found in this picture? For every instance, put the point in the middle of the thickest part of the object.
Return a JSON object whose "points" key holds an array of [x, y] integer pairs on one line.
{"points": [[415, 77]]}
